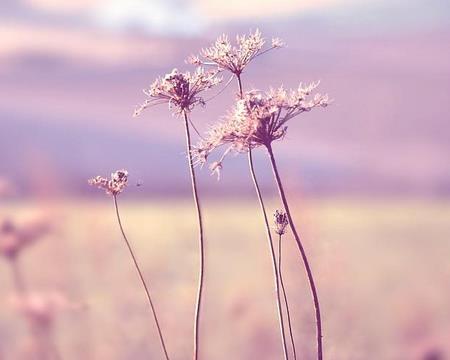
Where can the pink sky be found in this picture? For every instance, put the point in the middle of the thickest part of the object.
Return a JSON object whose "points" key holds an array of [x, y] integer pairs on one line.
{"points": [[72, 72]]}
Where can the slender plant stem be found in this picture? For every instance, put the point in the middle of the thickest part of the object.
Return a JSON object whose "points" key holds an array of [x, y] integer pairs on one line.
{"points": [[302, 252], [19, 282], [272, 253], [286, 303], [144, 284], [201, 239], [241, 91], [269, 234]]}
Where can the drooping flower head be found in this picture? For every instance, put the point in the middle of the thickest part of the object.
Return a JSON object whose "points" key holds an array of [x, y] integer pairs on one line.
{"points": [[180, 90], [234, 58], [281, 222], [113, 186], [258, 119]]}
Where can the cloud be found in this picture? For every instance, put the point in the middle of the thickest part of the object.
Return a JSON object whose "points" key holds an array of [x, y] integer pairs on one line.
{"points": [[258, 9], [62, 6], [179, 17], [157, 16], [81, 45]]}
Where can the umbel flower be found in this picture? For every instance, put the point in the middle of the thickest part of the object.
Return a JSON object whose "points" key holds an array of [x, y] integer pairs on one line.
{"points": [[113, 186], [180, 90], [280, 222], [234, 58], [258, 119]]}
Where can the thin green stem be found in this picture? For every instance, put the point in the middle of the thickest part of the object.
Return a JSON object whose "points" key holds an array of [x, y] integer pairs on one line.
{"points": [[144, 284], [286, 303], [272, 253], [302, 252], [201, 239]]}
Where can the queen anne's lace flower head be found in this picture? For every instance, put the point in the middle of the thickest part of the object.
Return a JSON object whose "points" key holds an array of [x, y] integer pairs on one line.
{"points": [[234, 58], [180, 90], [113, 186], [258, 119]]}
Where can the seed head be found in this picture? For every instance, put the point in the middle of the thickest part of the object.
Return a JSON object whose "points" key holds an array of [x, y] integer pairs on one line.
{"points": [[180, 90], [234, 58], [113, 186], [258, 119], [280, 222]]}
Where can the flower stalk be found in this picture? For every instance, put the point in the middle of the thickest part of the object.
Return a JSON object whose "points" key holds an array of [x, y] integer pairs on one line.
{"points": [[302, 251], [276, 272], [198, 306], [113, 187], [141, 277], [272, 254], [281, 222], [183, 92]]}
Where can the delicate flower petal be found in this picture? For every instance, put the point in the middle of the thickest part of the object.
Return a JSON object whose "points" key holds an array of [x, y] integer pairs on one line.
{"points": [[234, 58], [258, 119], [113, 186], [180, 90]]}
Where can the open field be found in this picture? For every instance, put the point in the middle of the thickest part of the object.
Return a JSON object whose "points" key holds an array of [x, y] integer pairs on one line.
{"points": [[382, 269]]}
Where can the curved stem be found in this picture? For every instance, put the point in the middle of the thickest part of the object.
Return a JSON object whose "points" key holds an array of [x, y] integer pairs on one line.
{"points": [[286, 303], [272, 252], [302, 252], [144, 284], [201, 239]]}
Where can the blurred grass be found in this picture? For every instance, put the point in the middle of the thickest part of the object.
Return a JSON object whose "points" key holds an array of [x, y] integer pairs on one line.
{"points": [[382, 269]]}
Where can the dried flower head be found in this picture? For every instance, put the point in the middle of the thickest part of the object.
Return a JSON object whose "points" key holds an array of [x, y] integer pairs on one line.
{"points": [[14, 237], [258, 119], [180, 90], [280, 222], [234, 58], [113, 186]]}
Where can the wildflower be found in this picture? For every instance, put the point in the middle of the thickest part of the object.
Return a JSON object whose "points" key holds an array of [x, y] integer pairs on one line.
{"points": [[15, 237], [113, 186], [180, 90], [280, 222], [234, 58], [258, 119]]}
